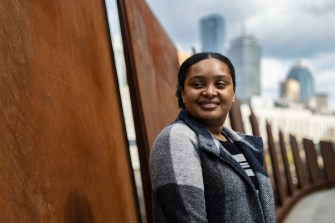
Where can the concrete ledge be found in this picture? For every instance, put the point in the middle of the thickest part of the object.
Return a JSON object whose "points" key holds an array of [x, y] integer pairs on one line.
{"points": [[315, 207]]}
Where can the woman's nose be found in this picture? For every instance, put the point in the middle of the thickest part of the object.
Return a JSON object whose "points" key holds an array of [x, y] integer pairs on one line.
{"points": [[210, 91]]}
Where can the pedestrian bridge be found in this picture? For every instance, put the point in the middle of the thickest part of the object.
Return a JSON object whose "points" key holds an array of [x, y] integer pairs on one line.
{"points": [[315, 207]]}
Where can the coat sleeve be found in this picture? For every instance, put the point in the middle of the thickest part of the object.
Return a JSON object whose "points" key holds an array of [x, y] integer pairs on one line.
{"points": [[176, 176]]}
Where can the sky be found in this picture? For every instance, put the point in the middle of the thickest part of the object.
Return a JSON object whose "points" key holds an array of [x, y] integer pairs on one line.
{"points": [[288, 31]]}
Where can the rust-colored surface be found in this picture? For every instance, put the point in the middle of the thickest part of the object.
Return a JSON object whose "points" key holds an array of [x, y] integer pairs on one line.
{"points": [[63, 149], [327, 151], [312, 162], [152, 67], [255, 131], [152, 63], [235, 117], [299, 169], [280, 194], [254, 123], [288, 175]]}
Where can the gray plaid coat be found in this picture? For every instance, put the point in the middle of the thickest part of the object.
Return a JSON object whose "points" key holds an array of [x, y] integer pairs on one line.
{"points": [[194, 180]]}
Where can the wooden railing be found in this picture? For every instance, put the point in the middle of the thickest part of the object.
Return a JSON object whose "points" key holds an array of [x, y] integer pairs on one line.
{"points": [[296, 167]]}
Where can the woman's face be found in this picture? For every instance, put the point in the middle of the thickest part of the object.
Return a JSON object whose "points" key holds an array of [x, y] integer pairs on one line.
{"points": [[208, 91]]}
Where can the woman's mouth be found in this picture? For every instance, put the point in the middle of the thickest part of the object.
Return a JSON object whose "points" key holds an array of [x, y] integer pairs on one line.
{"points": [[209, 105]]}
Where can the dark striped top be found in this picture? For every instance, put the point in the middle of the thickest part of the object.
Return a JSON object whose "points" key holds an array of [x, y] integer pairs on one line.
{"points": [[236, 153]]}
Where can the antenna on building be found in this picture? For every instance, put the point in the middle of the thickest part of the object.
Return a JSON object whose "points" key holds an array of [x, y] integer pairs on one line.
{"points": [[194, 51]]}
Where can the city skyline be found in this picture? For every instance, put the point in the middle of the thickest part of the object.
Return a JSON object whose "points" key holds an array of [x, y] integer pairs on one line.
{"points": [[287, 32]]}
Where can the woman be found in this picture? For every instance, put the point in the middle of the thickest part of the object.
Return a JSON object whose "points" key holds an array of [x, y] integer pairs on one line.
{"points": [[202, 171]]}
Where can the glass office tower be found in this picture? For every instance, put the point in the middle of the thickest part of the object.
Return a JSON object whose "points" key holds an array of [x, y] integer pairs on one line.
{"points": [[245, 54], [304, 76], [212, 33]]}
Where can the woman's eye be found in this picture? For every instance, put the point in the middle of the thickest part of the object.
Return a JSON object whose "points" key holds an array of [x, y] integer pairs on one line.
{"points": [[221, 84], [198, 84]]}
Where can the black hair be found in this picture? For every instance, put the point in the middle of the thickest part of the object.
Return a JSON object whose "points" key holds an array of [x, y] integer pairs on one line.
{"points": [[195, 58]]}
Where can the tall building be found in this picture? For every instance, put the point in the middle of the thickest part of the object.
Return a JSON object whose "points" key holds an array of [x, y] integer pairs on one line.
{"points": [[245, 54], [304, 76], [212, 33]]}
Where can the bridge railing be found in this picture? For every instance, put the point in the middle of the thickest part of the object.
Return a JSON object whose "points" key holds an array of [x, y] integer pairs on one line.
{"points": [[296, 167]]}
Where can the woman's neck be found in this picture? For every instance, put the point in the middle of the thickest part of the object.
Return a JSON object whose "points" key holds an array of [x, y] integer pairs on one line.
{"points": [[216, 131]]}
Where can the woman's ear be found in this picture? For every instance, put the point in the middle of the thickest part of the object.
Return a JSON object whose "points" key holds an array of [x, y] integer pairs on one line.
{"points": [[182, 94], [233, 99]]}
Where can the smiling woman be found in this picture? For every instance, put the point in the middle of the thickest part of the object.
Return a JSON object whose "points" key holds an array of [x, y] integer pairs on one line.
{"points": [[208, 92], [202, 171]]}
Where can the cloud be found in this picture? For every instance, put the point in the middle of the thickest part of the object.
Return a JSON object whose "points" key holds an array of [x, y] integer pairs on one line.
{"points": [[181, 21], [273, 72], [294, 35], [319, 7], [286, 29]]}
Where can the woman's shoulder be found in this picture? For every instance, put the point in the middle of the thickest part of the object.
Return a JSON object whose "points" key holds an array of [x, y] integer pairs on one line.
{"points": [[174, 158], [177, 135], [176, 129]]}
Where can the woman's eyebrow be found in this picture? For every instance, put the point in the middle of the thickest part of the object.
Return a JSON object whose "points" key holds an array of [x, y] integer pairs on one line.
{"points": [[224, 76], [198, 77]]}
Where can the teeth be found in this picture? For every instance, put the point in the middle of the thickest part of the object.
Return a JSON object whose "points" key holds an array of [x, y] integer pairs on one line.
{"points": [[209, 104]]}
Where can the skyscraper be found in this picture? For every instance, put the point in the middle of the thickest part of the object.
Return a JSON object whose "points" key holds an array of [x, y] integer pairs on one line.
{"points": [[212, 32], [304, 76], [245, 54]]}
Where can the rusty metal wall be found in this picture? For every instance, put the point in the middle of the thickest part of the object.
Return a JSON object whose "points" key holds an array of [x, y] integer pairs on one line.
{"points": [[152, 67], [63, 150]]}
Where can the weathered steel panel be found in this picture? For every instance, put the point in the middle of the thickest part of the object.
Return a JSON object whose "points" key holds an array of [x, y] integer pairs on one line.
{"points": [[288, 175], [280, 195], [152, 67], [63, 150], [328, 155], [299, 168], [312, 161], [235, 117]]}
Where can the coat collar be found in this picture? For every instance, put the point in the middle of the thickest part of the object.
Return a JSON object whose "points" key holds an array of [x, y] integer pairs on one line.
{"points": [[251, 146]]}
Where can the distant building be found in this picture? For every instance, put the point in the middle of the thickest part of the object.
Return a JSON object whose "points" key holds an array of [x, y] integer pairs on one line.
{"points": [[321, 100], [319, 103], [298, 91], [245, 54], [212, 33], [298, 121], [304, 76], [290, 90]]}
